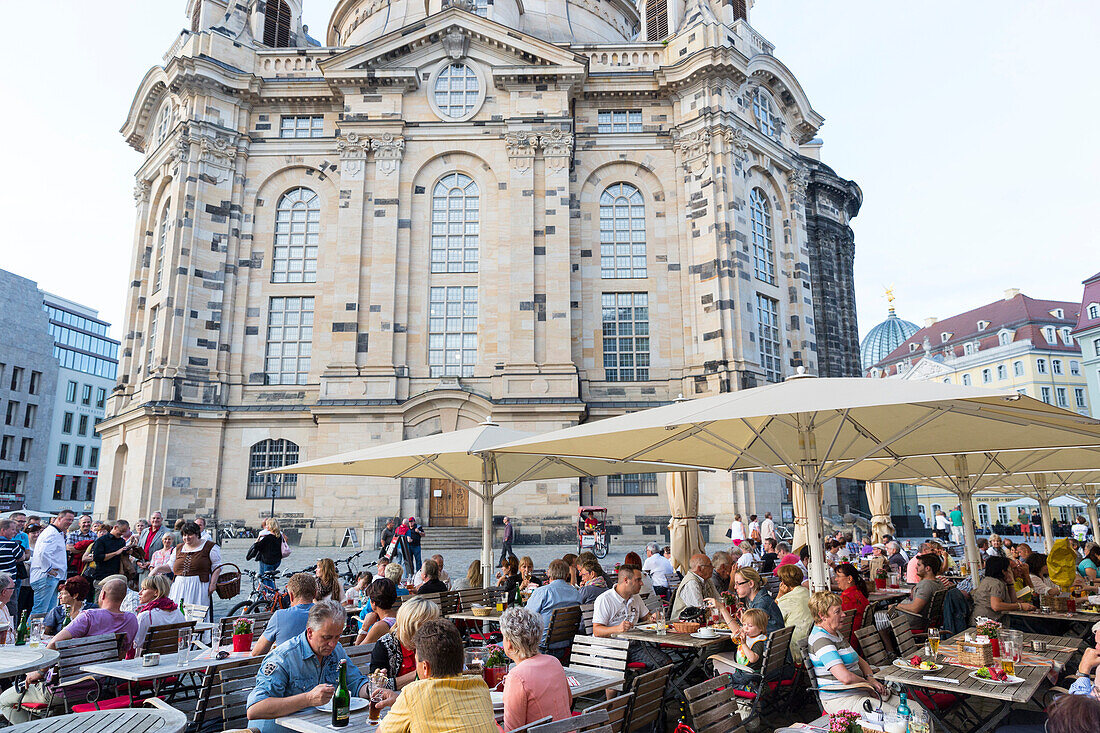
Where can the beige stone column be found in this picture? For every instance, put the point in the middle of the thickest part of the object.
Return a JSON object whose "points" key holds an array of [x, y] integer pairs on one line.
{"points": [[517, 313], [345, 300], [382, 237], [557, 151]]}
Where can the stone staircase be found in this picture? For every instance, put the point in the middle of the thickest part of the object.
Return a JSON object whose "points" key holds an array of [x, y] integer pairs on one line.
{"points": [[450, 538]]}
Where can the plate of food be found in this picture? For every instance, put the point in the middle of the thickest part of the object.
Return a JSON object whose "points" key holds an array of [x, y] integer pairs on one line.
{"points": [[916, 662], [995, 676], [646, 627], [357, 703]]}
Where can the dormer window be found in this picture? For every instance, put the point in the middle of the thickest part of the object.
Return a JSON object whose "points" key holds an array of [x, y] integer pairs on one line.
{"points": [[982, 325], [1058, 313], [762, 109], [970, 348], [1004, 337], [912, 348], [1049, 335], [1067, 339], [1093, 311], [944, 338]]}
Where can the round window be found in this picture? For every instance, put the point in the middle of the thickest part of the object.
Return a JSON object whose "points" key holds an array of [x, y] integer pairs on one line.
{"points": [[457, 91]]}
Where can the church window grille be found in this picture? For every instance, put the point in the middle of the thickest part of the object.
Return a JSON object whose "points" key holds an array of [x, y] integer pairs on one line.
{"points": [[656, 18], [765, 117], [302, 126], [767, 334], [452, 331], [622, 232], [162, 244], [297, 231], [740, 10], [763, 247], [289, 340], [268, 454], [456, 225], [632, 484], [277, 24], [151, 340], [619, 120], [626, 337], [457, 89]]}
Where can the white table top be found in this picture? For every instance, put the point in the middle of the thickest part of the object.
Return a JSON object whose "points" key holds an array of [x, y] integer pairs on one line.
{"points": [[19, 659], [132, 670], [126, 720]]}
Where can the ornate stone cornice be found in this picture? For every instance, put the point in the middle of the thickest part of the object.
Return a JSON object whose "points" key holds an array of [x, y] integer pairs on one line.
{"points": [[736, 141], [557, 147], [353, 145], [521, 148], [388, 151]]}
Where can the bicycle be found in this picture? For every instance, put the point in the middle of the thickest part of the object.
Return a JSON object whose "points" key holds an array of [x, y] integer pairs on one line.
{"points": [[350, 575], [261, 598]]}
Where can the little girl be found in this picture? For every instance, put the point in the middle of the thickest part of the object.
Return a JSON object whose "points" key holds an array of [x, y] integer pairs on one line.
{"points": [[750, 649]]}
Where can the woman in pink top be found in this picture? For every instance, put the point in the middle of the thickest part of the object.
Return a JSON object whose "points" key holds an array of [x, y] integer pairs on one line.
{"points": [[536, 686]]}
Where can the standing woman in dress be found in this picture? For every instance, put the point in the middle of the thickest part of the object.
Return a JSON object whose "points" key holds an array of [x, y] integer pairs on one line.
{"points": [[737, 530], [196, 565]]}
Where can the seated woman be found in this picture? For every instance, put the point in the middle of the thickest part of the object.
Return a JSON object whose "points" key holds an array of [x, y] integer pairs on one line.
{"points": [[1040, 576], [72, 597], [1090, 565], [394, 652], [844, 679], [472, 579], [509, 577], [526, 569], [155, 609], [383, 597], [329, 587], [793, 600], [853, 594], [750, 591], [996, 594], [536, 685], [359, 590]]}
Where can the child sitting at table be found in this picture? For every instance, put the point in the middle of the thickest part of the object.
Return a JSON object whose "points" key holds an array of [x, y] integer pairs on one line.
{"points": [[750, 650]]}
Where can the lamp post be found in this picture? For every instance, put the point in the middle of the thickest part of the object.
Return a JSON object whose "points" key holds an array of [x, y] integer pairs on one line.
{"points": [[273, 490]]}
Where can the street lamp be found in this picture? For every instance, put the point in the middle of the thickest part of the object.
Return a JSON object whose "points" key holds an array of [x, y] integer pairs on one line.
{"points": [[273, 490]]}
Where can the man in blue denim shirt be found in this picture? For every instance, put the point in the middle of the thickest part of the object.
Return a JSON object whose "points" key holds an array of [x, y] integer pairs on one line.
{"points": [[303, 672]]}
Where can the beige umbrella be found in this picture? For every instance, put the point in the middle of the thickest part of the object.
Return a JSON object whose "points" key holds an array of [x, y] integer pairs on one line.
{"points": [[878, 498], [1046, 488], [683, 528], [811, 430], [799, 502], [466, 457]]}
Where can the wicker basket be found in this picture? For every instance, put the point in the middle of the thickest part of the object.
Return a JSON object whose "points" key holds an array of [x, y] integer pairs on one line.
{"points": [[685, 627], [1058, 604], [229, 582], [973, 654], [481, 610]]}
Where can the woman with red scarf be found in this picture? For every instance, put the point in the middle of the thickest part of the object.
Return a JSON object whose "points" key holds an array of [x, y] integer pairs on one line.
{"points": [[853, 594], [156, 608]]}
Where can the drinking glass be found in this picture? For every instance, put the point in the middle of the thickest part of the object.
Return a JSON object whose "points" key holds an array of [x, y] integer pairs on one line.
{"points": [[183, 645], [934, 641], [659, 617], [37, 630], [920, 721], [376, 688], [1011, 646]]}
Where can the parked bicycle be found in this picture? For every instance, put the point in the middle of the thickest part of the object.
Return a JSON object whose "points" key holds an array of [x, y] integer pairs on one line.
{"points": [[350, 574], [264, 596]]}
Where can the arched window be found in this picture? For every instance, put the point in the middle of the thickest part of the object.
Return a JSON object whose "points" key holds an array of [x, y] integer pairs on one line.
{"points": [[162, 244], [456, 224], [1002, 371], [269, 454], [297, 230], [763, 247], [966, 379], [765, 117], [457, 89], [165, 119], [1041, 366], [1018, 368], [277, 24], [622, 232]]}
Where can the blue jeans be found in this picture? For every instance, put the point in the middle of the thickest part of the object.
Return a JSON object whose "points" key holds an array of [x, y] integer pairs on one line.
{"points": [[45, 594], [417, 562], [269, 582]]}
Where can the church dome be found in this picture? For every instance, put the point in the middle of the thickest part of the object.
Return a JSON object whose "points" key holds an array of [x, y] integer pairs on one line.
{"points": [[884, 339]]}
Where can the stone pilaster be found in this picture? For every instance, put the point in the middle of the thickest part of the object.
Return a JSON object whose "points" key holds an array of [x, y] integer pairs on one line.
{"points": [[346, 299], [520, 266], [383, 236], [557, 151]]}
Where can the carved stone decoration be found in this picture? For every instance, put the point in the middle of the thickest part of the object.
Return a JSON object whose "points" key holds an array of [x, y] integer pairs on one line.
{"points": [[557, 147], [797, 181], [141, 192], [470, 6], [456, 44], [695, 150], [749, 94], [521, 149], [216, 151], [388, 151], [353, 149], [737, 141]]}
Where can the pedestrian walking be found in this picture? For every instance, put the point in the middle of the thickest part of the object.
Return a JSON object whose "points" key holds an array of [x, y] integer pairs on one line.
{"points": [[506, 539], [268, 549], [386, 539], [415, 533], [767, 527], [957, 524]]}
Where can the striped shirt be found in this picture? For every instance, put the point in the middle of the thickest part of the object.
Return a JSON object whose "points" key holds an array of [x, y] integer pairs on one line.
{"points": [[827, 651], [11, 553], [442, 705]]}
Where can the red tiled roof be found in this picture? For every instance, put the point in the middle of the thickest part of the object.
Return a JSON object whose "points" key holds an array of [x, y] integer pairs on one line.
{"points": [[1024, 316], [1092, 295]]}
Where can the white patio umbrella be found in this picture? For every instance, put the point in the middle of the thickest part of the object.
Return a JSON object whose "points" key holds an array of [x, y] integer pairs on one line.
{"points": [[467, 457], [1048, 490], [811, 430], [1058, 501]]}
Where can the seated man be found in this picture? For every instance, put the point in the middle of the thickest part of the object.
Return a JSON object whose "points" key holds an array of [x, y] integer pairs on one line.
{"points": [[658, 567], [304, 671], [695, 587], [441, 698], [287, 623], [590, 523], [430, 575], [558, 593], [593, 584], [619, 609], [920, 603], [107, 619]]}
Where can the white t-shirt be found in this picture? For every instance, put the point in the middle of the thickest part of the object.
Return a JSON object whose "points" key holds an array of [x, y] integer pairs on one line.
{"points": [[745, 560], [754, 527], [659, 568], [737, 529], [1080, 531], [611, 609], [942, 522]]}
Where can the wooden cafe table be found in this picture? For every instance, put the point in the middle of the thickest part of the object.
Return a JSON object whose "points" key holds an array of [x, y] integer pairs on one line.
{"points": [[693, 651]]}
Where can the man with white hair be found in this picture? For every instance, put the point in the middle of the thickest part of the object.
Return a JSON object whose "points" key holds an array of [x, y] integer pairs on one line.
{"points": [[303, 671], [658, 568], [696, 586]]}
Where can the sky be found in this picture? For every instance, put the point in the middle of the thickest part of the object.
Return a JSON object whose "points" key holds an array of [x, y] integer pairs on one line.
{"points": [[966, 124]]}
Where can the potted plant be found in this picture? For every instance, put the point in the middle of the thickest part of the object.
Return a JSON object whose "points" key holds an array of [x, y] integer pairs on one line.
{"points": [[844, 721], [989, 628], [242, 635], [496, 665], [880, 577], [729, 599]]}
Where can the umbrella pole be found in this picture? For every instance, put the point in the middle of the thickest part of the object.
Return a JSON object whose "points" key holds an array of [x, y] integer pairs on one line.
{"points": [[818, 578], [487, 536], [1048, 526], [973, 558], [1090, 501]]}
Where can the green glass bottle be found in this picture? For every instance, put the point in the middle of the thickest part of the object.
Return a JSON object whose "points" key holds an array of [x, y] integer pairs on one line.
{"points": [[22, 633], [67, 620], [341, 699]]}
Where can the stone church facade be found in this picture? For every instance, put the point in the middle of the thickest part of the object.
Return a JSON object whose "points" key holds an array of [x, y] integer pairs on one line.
{"points": [[538, 212]]}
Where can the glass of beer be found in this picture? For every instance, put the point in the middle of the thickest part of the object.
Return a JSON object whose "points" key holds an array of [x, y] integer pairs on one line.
{"points": [[378, 684], [934, 641], [1011, 646]]}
